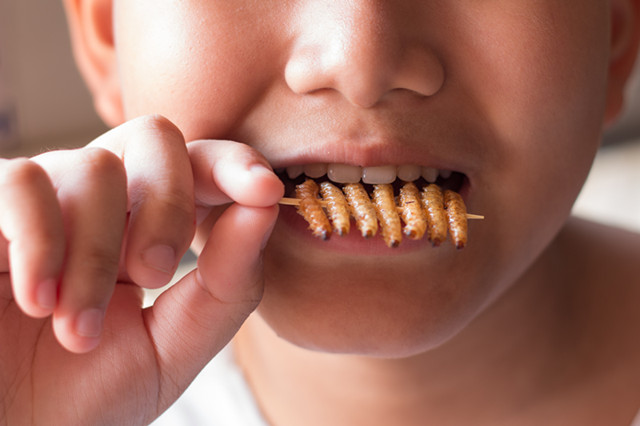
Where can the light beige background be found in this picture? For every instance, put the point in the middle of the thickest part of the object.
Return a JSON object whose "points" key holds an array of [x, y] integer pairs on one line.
{"points": [[52, 106]]}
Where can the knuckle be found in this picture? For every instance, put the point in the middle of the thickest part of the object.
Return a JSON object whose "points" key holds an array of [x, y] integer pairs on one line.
{"points": [[159, 125], [21, 172], [98, 162], [102, 262], [177, 205], [180, 204]]}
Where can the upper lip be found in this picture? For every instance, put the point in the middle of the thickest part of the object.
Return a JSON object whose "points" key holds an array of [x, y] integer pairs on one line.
{"points": [[424, 135]]}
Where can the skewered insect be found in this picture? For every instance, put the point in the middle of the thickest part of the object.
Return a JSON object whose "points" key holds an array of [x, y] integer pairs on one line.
{"points": [[429, 212], [311, 209], [362, 209], [337, 207], [411, 211], [457, 214], [388, 216], [433, 204]]}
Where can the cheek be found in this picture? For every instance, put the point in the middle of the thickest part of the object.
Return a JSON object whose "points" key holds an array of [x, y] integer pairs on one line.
{"points": [[540, 84], [192, 62], [541, 80]]}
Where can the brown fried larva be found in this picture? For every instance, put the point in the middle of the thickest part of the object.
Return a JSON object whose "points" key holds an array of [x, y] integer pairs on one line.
{"points": [[362, 209], [432, 211], [388, 216], [433, 204], [311, 209], [457, 215], [337, 207], [411, 211]]}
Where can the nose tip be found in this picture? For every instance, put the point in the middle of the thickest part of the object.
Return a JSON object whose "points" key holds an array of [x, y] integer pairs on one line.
{"points": [[363, 59]]}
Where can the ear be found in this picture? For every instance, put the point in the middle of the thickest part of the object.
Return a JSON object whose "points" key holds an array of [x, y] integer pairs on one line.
{"points": [[91, 30], [625, 42]]}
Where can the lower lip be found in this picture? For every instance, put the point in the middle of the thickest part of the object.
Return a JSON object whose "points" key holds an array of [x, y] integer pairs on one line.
{"points": [[294, 225]]}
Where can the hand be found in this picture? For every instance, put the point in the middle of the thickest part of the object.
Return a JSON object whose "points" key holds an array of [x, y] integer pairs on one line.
{"points": [[80, 230]]}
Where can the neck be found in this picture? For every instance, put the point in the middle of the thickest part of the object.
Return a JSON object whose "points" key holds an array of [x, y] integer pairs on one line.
{"points": [[498, 363]]}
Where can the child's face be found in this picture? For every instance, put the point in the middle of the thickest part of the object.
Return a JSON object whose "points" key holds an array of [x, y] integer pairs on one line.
{"points": [[510, 93]]}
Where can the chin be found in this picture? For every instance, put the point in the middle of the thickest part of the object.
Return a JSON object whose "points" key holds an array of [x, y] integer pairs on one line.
{"points": [[356, 296], [340, 331], [365, 308]]}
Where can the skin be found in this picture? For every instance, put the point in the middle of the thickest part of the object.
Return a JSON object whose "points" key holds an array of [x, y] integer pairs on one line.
{"points": [[483, 88]]}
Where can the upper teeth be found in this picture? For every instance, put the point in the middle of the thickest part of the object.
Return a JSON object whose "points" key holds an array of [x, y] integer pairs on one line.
{"points": [[344, 173]]}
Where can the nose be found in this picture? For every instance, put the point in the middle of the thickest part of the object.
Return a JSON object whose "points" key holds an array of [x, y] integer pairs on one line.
{"points": [[361, 49]]}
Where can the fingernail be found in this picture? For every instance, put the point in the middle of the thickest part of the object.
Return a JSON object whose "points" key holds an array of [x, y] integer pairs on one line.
{"points": [[161, 258], [89, 323], [260, 168], [47, 294]]}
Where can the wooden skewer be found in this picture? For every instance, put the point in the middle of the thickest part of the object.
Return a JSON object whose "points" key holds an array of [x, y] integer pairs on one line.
{"points": [[287, 201]]}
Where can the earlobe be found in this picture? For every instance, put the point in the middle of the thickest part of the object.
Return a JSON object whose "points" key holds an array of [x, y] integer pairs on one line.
{"points": [[625, 42], [91, 30]]}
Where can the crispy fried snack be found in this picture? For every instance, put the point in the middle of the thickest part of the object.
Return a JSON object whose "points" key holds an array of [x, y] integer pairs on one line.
{"points": [[411, 211], [388, 216], [457, 214], [362, 209], [337, 207], [311, 209], [430, 211], [433, 203]]}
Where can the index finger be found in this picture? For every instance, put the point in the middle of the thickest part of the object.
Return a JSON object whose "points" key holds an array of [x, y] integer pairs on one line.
{"points": [[227, 171], [160, 190]]}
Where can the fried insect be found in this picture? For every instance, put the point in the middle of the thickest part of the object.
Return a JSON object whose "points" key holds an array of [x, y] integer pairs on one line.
{"points": [[457, 215], [388, 216], [311, 209], [433, 204], [411, 211], [362, 209], [430, 211], [337, 207]]}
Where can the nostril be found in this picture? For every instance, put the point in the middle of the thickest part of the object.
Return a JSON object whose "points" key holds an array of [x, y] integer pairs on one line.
{"points": [[302, 74], [362, 54], [364, 79], [420, 71]]}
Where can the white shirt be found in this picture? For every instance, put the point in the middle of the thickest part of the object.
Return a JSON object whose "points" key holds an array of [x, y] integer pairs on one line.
{"points": [[219, 396]]}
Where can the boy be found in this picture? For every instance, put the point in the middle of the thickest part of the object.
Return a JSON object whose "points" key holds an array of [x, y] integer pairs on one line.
{"points": [[535, 322]]}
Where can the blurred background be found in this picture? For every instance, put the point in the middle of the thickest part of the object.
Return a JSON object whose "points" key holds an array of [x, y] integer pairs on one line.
{"points": [[44, 104]]}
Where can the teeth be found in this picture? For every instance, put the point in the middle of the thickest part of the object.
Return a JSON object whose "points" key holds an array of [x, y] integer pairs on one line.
{"points": [[445, 174], [294, 171], [315, 170], [344, 173], [409, 173], [380, 174], [430, 174]]}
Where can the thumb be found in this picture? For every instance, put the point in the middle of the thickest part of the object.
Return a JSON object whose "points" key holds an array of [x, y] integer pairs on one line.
{"points": [[197, 317]]}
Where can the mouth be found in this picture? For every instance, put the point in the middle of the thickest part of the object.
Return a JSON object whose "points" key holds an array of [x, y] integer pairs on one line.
{"points": [[371, 178], [388, 174]]}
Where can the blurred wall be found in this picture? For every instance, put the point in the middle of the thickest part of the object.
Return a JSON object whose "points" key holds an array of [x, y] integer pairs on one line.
{"points": [[629, 125], [39, 84]]}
